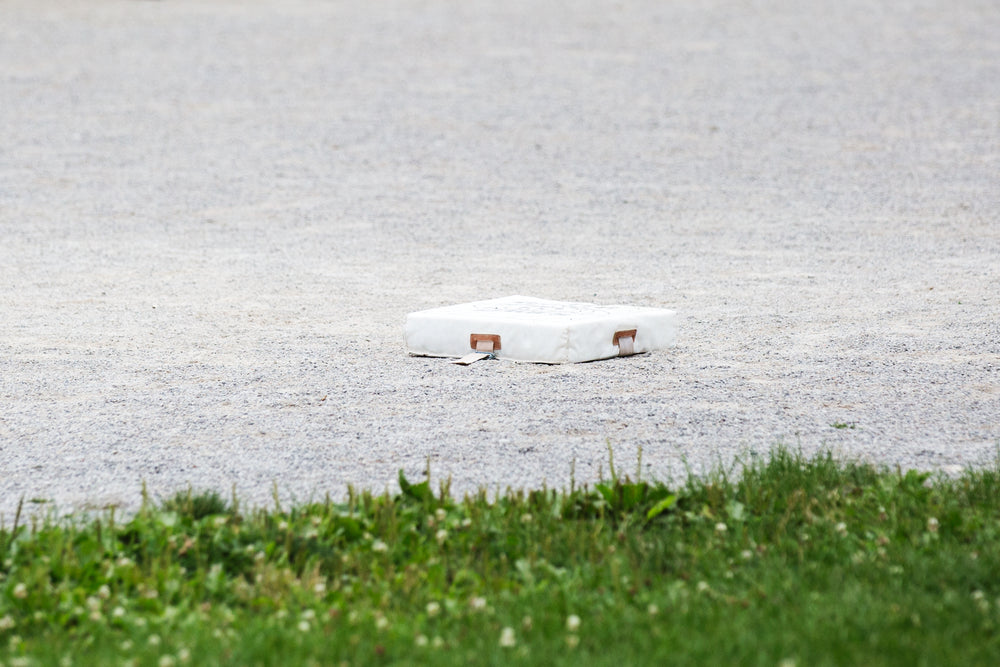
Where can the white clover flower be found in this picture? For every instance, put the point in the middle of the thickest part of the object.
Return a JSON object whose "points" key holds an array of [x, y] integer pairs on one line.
{"points": [[6, 622], [507, 639], [721, 527], [127, 645], [420, 640], [652, 609], [433, 609], [154, 640], [166, 661], [118, 612], [440, 514], [466, 522], [379, 546], [441, 536], [319, 588], [124, 561], [932, 525], [437, 642], [309, 614], [381, 623], [527, 518], [746, 554], [104, 592], [572, 641], [526, 623], [20, 591], [477, 603], [282, 525], [219, 521], [841, 528], [183, 654], [303, 626], [93, 603], [572, 622], [702, 586]]}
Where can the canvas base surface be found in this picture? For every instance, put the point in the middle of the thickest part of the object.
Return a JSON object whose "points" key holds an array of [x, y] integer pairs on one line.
{"points": [[521, 328]]}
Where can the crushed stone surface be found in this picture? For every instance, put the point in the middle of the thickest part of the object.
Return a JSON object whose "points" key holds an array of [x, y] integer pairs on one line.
{"points": [[214, 217]]}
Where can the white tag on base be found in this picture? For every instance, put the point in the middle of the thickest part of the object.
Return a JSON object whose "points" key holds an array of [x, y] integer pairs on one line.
{"points": [[521, 328], [626, 346], [471, 358]]}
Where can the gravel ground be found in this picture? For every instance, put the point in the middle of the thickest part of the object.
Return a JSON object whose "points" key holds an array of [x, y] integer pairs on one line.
{"points": [[214, 217]]}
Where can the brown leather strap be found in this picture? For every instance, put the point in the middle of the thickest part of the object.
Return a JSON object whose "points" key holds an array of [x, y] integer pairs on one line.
{"points": [[625, 340], [484, 342]]}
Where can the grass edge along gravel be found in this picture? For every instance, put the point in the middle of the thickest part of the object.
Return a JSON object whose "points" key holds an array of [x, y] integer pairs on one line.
{"points": [[790, 561]]}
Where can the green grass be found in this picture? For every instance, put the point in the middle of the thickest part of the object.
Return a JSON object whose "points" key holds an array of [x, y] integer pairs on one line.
{"points": [[792, 561]]}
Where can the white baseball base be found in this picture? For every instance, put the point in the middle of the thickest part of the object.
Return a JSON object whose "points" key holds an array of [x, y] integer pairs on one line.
{"points": [[521, 328]]}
